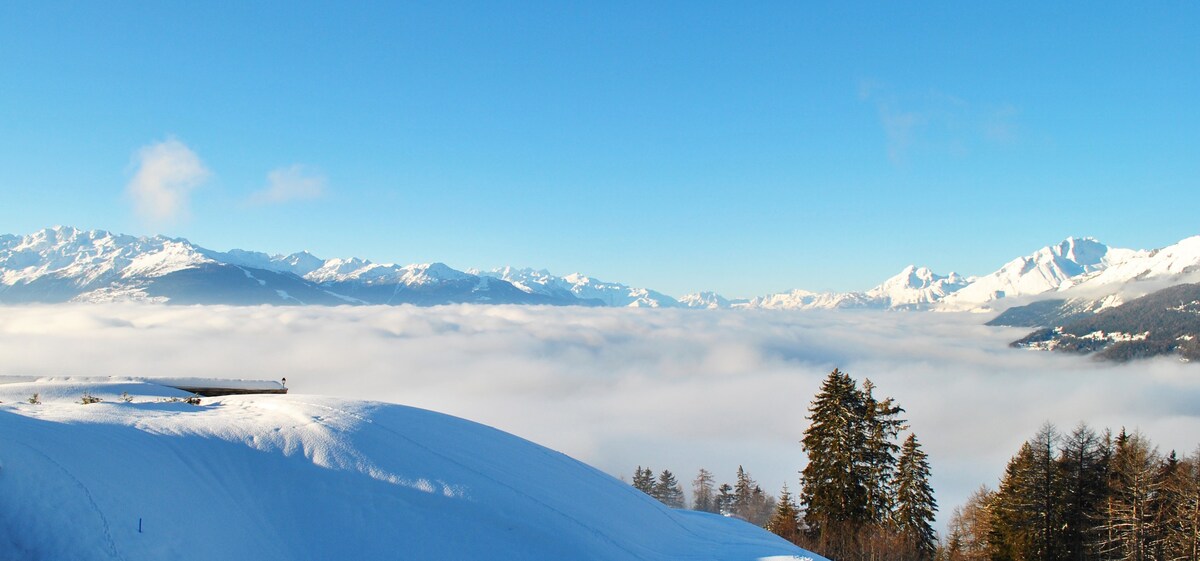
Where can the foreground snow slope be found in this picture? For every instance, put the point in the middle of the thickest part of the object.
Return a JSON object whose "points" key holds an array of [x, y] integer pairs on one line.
{"points": [[306, 477]]}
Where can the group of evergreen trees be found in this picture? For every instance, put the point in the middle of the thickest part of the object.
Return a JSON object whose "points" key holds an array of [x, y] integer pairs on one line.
{"points": [[666, 488], [1084, 497], [863, 495], [745, 499]]}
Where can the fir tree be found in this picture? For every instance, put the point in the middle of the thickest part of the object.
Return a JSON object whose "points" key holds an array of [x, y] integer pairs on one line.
{"points": [[834, 482], [750, 503], [725, 499], [848, 494], [915, 505], [785, 521], [668, 490], [643, 480], [881, 425], [703, 497], [743, 494]]}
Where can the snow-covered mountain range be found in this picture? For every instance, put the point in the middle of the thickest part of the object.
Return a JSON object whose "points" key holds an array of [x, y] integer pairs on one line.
{"points": [[66, 264]]}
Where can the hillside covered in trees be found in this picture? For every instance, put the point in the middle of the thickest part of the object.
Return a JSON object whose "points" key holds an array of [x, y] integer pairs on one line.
{"points": [[1164, 322], [864, 494], [1083, 496]]}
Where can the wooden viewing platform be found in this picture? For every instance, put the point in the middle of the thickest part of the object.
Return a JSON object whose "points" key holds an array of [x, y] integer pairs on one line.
{"points": [[214, 391], [204, 387], [213, 387]]}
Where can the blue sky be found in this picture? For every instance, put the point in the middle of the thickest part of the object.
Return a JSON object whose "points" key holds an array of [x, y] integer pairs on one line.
{"points": [[682, 146]]}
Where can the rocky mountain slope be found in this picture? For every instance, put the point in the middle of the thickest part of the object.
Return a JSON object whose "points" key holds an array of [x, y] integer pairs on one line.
{"points": [[1163, 322]]}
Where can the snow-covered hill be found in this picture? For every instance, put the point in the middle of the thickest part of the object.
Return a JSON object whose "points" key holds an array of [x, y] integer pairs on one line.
{"points": [[306, 477]]}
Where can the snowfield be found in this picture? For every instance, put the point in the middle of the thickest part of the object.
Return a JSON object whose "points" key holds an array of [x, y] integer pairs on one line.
{"points": [[298, 477]]}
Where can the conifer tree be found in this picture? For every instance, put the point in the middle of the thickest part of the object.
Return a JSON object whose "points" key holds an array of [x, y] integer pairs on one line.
{"points": [[834, 492], [725, 499], [668, 490], [703, 495], [1127, 529], [750, 503], [1044, 494], [881, 426], [915, 505], [1014, 516], [969, 527], [643, 480], [1027, 525], [1181, 512], [785, 521], [1083, 467]]}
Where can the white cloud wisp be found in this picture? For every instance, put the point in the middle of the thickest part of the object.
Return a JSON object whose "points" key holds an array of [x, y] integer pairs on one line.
{"points": [[166, 174], [291, 183]]}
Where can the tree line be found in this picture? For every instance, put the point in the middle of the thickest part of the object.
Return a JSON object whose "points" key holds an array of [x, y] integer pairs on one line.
{"points": [[864, 494], [1083, 496]]}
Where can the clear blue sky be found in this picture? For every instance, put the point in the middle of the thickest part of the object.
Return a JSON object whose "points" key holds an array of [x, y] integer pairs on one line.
{"points": [[740, 147]]}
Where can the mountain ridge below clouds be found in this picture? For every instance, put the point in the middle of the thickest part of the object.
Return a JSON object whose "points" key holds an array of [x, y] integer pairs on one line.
{"points": [[64, 264]]}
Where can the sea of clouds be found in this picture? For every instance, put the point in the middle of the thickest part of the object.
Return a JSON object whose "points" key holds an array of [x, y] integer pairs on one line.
{"points": [[675, 389]]}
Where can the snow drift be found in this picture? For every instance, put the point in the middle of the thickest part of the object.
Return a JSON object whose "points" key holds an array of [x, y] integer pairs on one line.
{"points": [[307, 477]]}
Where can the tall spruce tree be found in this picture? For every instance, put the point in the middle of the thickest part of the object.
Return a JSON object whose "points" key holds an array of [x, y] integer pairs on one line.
{"points": [[848, 492], [703, 494], [915, 505], [881, 426], [835, 483]]}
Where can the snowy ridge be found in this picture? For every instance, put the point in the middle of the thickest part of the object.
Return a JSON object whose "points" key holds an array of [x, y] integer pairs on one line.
{"points": [[66, 264], [583, 287], [1170, 262], [1047, 269], [1140, 274], [63, 264], [706, 300], [302, 477], [805, 300], [913, 288], [916, 288], [87, 258]]}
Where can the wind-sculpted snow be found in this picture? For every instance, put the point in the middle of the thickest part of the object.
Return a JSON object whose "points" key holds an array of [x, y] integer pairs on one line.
{"points": [[306, 477], [675, 389]]}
